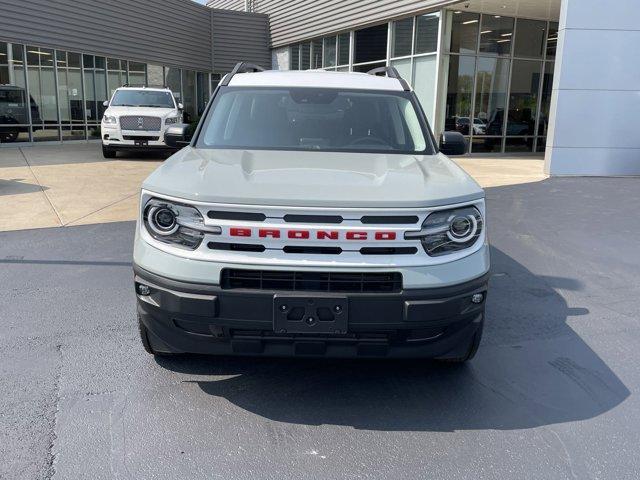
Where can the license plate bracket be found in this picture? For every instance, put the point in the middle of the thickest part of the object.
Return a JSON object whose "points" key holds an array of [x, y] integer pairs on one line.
{"points": [[142, 143], [310, 314]]}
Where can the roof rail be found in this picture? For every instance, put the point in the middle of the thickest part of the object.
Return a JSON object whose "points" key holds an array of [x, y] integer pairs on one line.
{"points": [[131, 85], [241, 67], [390, 72]]}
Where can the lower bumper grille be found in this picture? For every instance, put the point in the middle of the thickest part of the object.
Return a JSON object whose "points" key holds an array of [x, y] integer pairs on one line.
{"points": [[342, 282]]}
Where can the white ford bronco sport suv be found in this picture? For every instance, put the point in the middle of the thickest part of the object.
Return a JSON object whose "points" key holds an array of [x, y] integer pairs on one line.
{"points": [[312, 214], [136, 118]]}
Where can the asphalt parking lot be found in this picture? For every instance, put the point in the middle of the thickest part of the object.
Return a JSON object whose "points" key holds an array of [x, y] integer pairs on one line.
{"points": [[552, 393]]}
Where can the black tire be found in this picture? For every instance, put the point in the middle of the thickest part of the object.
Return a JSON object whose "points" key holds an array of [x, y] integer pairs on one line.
{"points": [[474, 344], [146, 341], [9, 136], [108, 152]]}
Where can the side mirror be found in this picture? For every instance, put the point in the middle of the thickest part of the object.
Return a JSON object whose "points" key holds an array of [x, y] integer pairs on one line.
{"points": [[180, 106], [453, 143], [105, 103], [178, 136]]}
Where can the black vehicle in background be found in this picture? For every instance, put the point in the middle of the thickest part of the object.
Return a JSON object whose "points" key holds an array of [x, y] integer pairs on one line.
{"points": [[14, 116]]}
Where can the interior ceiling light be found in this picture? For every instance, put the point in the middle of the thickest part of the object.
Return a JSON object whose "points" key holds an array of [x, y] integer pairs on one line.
{"points": [[468, 22]]}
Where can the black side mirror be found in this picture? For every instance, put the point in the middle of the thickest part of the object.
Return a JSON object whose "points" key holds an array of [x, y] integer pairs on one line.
{"points": [[178, 136], [453, 143]]}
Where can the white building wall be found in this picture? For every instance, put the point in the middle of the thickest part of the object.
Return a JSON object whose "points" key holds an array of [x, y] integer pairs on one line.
{"points": [[595, 107]]}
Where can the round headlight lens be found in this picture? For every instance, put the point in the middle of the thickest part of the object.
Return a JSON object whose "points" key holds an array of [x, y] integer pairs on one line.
{"points": [[162, 220], [462, 228]]}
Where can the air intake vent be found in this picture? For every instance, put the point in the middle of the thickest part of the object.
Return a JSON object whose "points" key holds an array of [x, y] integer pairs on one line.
{"points": [[236, 247], [326, 219], [389, 220], [342, 282], [313, 250], [243, 216]]}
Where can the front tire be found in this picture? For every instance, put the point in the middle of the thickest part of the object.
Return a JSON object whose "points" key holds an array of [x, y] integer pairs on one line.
{"points": [[108, 152]]}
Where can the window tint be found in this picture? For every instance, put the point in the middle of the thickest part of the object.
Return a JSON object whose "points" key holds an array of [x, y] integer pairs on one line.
{"points": [[402, 32], [343, 48], [329, 59], [492, 81], [459, 93], [142, 98], [314, 119], [496, 34], [316, 53], [427, 33], [552, 40], [305, 56], [464, 32], [371, 44], [294, 63], [530, 38], [523, 97]]}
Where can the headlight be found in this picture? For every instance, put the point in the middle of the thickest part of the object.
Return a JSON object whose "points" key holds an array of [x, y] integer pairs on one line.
{"points": [[171, 120], [449, 231], [109, 120], [176, 224]]}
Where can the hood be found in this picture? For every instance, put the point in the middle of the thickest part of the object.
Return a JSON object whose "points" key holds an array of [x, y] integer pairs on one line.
{"points": [[313, 179], [140, 111]]}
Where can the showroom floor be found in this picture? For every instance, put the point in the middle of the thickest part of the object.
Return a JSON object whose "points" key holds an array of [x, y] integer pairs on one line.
{"points": [[62, 185]]}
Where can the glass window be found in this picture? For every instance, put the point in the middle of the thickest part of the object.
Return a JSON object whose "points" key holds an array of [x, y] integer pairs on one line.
{"points": [[142, 98], [552, 40], [523, 97], [13, 95], [542, 144], [529, 38], [427, 33], [371, 44], [315, 119], [203, 92], [496, 34], [464, 32], [116, 74], [173, 80], [545, 103], [294, 57], [189, 95], [424, 83], [137, 74], [404, 68], [515, 145], [402, 33], [316, 53], [329, 52], [459, 93], [343, 48], [215, 80], [486, 145], [305, 56], [101, 85], [42, 84], [45, 134], [492, 81], [70, 92], [73, 132]]}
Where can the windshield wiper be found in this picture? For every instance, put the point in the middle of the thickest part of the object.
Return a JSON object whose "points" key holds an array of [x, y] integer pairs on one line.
{"points": [[154, 106]]}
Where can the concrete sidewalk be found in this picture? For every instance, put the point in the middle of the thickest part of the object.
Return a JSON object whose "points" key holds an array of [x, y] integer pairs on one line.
{"points": [[60, 185]]}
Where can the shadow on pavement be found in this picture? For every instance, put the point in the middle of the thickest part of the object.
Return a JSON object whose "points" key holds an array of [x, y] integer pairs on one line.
{"points": [[16, 186], [541, 374]]}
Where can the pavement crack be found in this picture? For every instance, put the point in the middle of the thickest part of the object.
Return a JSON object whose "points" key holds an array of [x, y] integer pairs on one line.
{"points": [[53, 423], [44, 192], [101, 209]]}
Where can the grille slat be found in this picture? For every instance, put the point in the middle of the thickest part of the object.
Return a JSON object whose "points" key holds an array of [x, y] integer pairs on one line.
{"points": [[339, 282], [140, 122]]}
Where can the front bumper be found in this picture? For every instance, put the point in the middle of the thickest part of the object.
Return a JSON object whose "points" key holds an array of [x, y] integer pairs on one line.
{"points": [[207, 319], [114, 137]]}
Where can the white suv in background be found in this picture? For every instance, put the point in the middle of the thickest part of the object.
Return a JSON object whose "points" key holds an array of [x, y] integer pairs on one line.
{"points": [[136, 119]]}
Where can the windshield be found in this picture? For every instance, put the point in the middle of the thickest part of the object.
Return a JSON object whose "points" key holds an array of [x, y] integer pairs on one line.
{"points": [[142, 98], [315, 119]]}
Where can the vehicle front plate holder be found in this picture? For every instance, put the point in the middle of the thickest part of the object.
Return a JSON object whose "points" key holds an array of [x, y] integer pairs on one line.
{"points": [[142, 143], [310, 314]]}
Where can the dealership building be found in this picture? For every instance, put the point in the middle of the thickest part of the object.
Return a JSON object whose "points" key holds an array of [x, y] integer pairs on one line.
{"points": [[559, 78]]}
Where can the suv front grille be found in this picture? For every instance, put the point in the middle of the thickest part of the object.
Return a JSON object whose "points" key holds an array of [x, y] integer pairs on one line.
{"points": [[342, 282], [140, 122]]}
